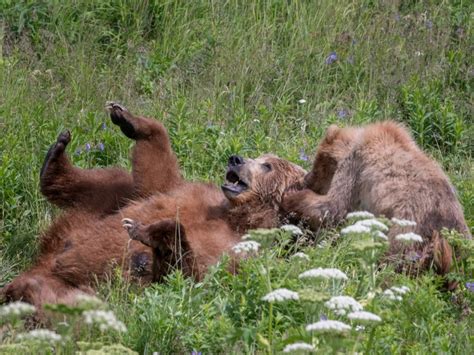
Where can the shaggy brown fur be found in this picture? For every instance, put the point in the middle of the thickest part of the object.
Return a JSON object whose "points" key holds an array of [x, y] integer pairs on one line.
{"points": [[168, 222], [379, 168]]}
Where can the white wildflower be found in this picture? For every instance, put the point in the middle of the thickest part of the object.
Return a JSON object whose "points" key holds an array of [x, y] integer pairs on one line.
{"points": [[355, 229], [300, 346], [44, 335], [301, 101], [359, 328], [360, 215], [323, 274], [16, 309], [301, 256], [364, 317], [328, 326], [372, 224], [403, 222], [341, 305], [245, 247], [88, 300], [294, 230], [380, 235], [409, 237], [280, 295], [391, 295], [104, 319], [246, 237], [401, 290]]}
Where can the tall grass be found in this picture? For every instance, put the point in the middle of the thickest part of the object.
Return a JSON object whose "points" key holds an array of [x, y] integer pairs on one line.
{"points": [[226, 77]]}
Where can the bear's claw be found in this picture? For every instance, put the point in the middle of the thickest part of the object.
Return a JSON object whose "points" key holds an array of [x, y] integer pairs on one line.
{"points": [[131, 227]]}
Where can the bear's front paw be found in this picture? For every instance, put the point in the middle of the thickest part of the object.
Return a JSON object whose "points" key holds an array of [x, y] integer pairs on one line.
{"points": [[132, 227]]}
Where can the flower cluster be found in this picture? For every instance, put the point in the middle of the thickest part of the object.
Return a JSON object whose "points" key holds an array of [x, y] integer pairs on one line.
{"points": [[294, 230], [245, 247], [341, 305], [328, 326], [301, 256], [324, 274], [43, 335], [364, 317], [355, 229], [360, 215], [105, 320], [280, 295], [16, 309], [409, 238], [88, 301], [403, 222], [372, 224], [300, 346], [395, 293]]}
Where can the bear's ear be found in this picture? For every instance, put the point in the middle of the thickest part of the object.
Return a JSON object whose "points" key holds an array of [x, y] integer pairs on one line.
{"points": [[331, 133]]}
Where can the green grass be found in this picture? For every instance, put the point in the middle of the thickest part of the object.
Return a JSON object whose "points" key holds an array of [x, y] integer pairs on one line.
{"points": [[226, 77]]}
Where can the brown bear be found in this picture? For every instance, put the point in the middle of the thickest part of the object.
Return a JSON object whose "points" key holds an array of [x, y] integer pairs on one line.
{"points": [[169, 222], [380, 169]]}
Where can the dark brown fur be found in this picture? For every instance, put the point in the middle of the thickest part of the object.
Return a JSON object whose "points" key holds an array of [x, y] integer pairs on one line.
{"points": [[170, 222], [380, 169]]}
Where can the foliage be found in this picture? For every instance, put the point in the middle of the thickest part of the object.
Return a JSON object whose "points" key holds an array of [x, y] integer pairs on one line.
{"points": [[239, 77]]}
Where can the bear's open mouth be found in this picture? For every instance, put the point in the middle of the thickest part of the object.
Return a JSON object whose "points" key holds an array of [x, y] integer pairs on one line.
{"points": [[234, 185]]}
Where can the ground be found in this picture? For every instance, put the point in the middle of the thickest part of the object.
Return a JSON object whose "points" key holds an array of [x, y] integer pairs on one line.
{"points": [[230, 78]]}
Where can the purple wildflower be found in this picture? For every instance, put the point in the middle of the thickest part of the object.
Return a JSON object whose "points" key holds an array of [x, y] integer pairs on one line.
{"points": [[303, 155], [101, 146], [429, 24], [342, 113], [87, 147], [331, 58], [103, 126], [323, 317], [397, 17], [78, 151], [470, 286]]}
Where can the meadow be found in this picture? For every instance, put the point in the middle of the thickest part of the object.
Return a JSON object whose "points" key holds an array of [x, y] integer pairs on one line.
{"points": [[245, 77]]}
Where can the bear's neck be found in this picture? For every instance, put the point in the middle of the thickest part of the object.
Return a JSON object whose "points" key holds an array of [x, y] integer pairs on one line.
{"points": [[242, 218]]}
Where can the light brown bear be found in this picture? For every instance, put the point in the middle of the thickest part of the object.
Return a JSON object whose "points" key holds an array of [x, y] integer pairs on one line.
{"points": [[169, 222], [380, 169]]}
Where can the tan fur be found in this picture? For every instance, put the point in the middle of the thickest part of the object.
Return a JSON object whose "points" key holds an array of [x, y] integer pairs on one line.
{"points": [[171, 222], [379, 168]]}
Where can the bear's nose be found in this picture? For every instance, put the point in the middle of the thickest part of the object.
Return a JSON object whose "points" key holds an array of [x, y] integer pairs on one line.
{"points": [[235, 160]]}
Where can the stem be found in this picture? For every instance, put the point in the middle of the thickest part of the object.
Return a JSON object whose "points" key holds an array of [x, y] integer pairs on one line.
{"points": [[270, 326], [371, 340]]}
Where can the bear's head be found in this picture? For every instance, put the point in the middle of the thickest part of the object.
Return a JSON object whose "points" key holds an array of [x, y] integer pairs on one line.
{"points": [[333, 148], [260, 180]]}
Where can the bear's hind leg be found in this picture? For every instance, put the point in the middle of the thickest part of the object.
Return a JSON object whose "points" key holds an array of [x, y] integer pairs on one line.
{"points": [[169, 243], [154, 164], [95, 190]]}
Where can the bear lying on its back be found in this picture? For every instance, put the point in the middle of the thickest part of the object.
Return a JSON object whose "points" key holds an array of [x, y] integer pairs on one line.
{"points": [[380, 169], [172, 222]]}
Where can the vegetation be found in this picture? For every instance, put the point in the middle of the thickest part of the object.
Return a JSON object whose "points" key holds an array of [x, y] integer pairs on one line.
{"points": [[238, 77]]}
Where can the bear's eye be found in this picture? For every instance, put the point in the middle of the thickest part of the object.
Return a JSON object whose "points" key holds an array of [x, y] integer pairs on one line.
{"points": [[267, 167]]}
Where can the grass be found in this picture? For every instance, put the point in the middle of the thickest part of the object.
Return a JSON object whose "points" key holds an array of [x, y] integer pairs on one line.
{"points": [[227, 77]]}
